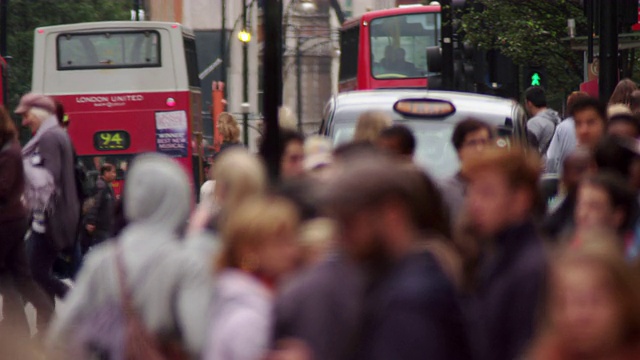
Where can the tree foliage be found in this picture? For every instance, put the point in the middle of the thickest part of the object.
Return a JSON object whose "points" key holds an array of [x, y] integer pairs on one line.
{"points": [[24, 16], [530, 32]]}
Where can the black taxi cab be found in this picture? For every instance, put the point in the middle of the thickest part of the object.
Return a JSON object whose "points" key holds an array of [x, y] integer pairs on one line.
{"points": [[431, 115]]}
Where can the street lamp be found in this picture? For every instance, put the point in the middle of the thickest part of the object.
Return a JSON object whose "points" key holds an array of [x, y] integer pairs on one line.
{"points": [[245, 107], [245, 36], [307, 6]]}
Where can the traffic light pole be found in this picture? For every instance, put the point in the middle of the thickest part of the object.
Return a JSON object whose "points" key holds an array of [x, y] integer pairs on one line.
{"points": [[608, 78], [447, 44], [272, 65]]}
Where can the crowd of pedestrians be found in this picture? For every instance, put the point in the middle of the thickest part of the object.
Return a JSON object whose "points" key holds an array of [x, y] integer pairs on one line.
{"points": [[528, 252]]}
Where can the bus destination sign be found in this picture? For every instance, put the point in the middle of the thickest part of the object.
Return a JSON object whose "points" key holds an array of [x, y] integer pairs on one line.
{"points": [[111, 140]]}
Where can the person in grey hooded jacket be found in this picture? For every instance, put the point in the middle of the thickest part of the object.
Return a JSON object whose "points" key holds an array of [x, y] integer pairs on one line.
{"points": [[542, 124], [169, 293]]}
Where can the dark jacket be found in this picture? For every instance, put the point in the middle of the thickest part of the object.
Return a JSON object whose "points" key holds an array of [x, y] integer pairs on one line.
{"points": [[56, 152], [560, 221], [322, 307], [11, 182], [101, 214], [414, 313], [511, 286]]}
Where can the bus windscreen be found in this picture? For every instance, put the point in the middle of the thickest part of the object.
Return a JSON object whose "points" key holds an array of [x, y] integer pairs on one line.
{"points": [[108, 50], [399, 43]]}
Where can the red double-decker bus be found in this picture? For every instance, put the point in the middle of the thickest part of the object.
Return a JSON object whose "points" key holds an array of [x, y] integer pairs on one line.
{"points": [[127, 88], [388, 48]]}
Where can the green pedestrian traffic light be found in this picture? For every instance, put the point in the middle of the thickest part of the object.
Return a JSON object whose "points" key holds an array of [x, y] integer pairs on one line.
{"points": [[535, 76], [535, 79]]}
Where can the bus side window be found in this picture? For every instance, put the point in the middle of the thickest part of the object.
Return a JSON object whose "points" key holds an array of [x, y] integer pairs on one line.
{"points": [[349, 53], [192, 61]]}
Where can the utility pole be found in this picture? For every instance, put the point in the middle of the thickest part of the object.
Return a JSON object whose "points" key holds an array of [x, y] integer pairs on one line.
{"points": [[447, 44], [608, 48], [272, 65], [299, 80], [245, 77]]}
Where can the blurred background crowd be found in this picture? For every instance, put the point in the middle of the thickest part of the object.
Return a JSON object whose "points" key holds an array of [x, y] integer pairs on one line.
{"points": [[355, 253]]}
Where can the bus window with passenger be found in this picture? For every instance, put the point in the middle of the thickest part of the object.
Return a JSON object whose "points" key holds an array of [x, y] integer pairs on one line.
{"points": [[400, 42], [388, 48]]}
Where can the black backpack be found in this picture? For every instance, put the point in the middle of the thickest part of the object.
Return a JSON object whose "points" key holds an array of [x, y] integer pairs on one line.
{"points": [[85, 182]]}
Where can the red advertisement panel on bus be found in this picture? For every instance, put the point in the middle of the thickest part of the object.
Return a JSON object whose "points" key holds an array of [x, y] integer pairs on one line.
{"points": [[127, 88], [388, 48]]}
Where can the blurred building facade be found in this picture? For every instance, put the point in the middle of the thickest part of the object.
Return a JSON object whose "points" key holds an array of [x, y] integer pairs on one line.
{"points": [[311, 40], [216, 38], [312, 43]]}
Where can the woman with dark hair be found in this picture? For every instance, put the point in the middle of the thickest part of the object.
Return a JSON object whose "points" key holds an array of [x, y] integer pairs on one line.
{"points": [[13, 226]]}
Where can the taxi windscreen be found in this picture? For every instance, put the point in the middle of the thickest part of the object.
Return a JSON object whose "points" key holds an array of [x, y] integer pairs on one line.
{"points": [[434, 151]]}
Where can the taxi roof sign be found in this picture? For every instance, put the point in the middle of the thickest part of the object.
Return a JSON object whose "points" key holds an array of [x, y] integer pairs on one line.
{"points": [[425, 108]]}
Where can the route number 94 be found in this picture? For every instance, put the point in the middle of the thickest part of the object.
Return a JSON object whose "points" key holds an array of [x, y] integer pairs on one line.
{"points": [[111, 140]]}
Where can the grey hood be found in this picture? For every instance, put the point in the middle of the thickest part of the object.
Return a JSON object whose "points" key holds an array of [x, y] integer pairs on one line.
{"points": [[156, 195], [551, 115]]}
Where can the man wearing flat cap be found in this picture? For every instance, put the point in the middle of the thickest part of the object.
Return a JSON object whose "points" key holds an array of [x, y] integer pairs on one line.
{"points": [[51, 193]]}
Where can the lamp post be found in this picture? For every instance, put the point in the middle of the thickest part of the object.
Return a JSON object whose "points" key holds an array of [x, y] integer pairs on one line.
{"points": [[245, 107], [302, 7], [245, 36]]}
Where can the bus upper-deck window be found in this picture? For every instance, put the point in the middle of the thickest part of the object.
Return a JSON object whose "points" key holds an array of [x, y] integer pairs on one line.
{"points": [[399, 43], [108, 50]]}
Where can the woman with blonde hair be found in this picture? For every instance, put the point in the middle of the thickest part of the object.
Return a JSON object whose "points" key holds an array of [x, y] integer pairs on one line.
{"points": [[592, 305], [369, 126], [239, 175], [229, 130], [259, 248]]}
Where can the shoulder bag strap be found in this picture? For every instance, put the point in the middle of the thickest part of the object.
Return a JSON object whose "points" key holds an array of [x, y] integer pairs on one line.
{"points": [[125, 294]]}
